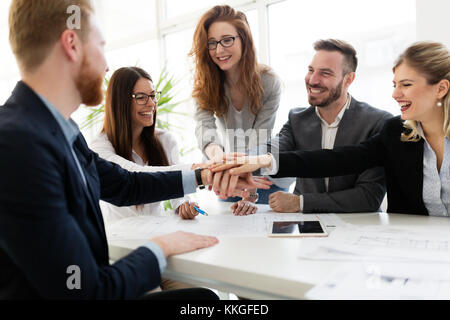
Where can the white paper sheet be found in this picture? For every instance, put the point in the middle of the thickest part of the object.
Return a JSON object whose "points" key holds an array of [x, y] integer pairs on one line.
{"points": [[331, 221], [385, 281], [145, 227], [381, 243]]}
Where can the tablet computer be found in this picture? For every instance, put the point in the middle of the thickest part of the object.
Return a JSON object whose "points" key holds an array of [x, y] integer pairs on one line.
{"points": [[297, 229]]}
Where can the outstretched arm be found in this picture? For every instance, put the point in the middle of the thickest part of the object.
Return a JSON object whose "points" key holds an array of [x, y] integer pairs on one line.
{"points": [[310, 164]]}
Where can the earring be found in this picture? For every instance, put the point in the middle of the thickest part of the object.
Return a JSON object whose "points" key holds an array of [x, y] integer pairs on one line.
{"points": [[439, 104]]}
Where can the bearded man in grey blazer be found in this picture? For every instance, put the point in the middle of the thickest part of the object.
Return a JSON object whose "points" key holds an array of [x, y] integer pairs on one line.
{"points": [[334, 118]]}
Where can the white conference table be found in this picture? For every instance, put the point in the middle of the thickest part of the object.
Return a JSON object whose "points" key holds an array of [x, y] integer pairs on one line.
{"points": [[261, 267]]}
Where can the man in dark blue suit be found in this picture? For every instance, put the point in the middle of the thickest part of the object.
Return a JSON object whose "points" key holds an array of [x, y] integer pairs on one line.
{"points": [[50, 221]]}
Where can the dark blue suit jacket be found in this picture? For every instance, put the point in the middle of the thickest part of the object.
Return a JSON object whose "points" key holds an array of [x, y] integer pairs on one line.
{"points": [[49, 220]]}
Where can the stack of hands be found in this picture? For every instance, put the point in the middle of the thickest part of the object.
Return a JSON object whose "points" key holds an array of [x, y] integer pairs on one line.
{"points": [[240, 164], [231, 176]]}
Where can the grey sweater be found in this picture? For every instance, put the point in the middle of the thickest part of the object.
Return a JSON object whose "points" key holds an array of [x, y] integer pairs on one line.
{"points": [[257, 129]]}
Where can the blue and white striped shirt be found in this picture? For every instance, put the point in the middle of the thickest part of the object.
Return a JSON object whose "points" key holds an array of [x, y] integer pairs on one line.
{"points": [[436, 185]]}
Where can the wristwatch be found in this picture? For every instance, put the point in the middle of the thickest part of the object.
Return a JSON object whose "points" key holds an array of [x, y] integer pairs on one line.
{"points": [[198, 178], [253, 197]]}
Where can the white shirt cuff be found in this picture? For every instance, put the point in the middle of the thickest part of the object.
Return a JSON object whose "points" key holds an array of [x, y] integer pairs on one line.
{"points": [[189, 183], [273, 169], [301, 203]]}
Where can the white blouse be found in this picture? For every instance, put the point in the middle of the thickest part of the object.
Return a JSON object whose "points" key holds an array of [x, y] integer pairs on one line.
{"points": [[238, 137], [105, 149]]}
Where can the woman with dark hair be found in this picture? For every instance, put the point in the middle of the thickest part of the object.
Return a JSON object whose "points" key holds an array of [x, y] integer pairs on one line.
{"points": [[129, 138], [232, 87]]}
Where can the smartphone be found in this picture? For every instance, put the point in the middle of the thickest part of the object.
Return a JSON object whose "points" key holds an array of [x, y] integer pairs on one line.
{"points": [[297, 229]]}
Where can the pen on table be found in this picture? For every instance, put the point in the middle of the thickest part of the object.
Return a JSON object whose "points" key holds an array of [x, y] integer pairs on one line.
{"points": [[200, 211]]}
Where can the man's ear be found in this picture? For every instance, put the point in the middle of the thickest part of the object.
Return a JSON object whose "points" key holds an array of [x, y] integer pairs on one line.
{"points": [[71, 45], [350, 77]]}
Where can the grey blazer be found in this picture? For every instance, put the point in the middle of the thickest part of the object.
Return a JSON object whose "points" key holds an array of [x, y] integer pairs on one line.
{"points": [[258, 128], [351, 193]]}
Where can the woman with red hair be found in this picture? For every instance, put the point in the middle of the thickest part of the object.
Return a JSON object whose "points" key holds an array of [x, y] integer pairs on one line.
{"points": [[231, 89]]}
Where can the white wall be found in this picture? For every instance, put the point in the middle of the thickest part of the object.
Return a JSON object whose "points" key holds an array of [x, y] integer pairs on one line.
{"points": [[433, 22]]}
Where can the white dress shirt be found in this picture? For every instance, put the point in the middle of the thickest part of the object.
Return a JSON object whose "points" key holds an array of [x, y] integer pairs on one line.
{"points": [[104, 148], [329, 132]]}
